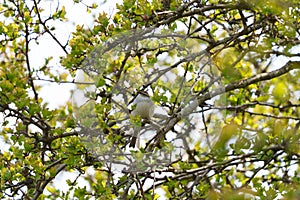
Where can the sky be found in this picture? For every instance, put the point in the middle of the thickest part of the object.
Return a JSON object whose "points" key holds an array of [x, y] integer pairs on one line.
{"points": [[57, 94]]}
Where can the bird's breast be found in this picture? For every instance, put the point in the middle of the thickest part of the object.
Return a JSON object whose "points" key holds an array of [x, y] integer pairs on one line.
{"points": [[144, 109]]}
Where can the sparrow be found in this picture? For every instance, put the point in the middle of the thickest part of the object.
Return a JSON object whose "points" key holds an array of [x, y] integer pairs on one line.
{"points": [[144, 107]]}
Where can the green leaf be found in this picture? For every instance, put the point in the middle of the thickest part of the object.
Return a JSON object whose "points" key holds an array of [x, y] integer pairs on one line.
{"points": [[100, 82], [281, 92]]}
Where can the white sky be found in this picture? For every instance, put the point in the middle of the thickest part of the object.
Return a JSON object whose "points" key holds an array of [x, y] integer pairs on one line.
{"points": [[57, 94]]}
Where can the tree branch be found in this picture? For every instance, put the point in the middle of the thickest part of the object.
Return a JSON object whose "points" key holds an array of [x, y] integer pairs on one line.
{"points": [[40, 189], [43, 23], [221, 90]]}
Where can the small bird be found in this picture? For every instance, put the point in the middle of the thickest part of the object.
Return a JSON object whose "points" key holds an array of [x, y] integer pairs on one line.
{"points": [[145, 109]]}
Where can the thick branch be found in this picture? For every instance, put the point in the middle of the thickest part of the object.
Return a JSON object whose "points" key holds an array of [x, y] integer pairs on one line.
{"points": [[40, 189], [254, 79], [239, 84], [221, 90]]}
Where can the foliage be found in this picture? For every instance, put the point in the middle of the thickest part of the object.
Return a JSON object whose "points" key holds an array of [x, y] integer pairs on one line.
{"points": [[226, 73]]}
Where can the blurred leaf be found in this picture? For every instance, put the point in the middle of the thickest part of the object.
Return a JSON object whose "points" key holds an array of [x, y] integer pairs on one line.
{"points": [[281, 92]]}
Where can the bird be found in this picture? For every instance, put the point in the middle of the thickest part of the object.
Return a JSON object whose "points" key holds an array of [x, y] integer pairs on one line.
{"points": [[144, 107]]}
